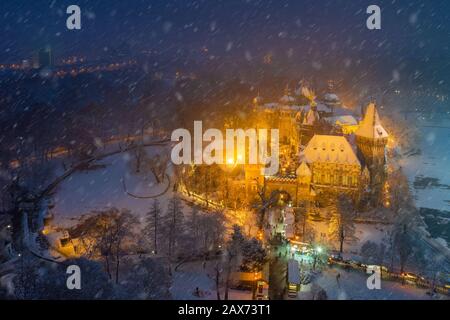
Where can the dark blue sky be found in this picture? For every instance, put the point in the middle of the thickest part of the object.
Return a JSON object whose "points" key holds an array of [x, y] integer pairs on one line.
{"points": [[322, 30]]}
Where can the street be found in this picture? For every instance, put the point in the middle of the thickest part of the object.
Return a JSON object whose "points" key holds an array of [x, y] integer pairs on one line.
{"points": [[277, 273]]}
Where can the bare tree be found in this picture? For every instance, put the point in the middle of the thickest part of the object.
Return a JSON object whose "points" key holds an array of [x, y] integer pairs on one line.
{"points": [[173, 225], [218, 271], [400, 195], [403, 246], [301, 217], [233, 255], [158, 165], [211, 230], [107, 234], [341, 222], [152, 224], [402, 234], [264, 203], [123, 224]]}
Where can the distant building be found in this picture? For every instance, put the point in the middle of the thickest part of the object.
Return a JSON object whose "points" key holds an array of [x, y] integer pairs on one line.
{"points": [[43, 58], [26, 64], [348, 124]]}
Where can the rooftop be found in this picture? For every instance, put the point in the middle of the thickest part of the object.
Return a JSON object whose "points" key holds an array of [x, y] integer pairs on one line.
{"points": [[345, 120], [303, 170], [370, 126], [331, 149]]}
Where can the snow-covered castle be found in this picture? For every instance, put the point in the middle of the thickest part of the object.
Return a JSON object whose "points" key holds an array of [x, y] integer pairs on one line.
{"points": [[330, 151]]}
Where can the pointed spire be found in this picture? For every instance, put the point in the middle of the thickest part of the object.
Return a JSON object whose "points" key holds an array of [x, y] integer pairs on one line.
{"points": [[287, 90], [370, 126], [303, 170]]}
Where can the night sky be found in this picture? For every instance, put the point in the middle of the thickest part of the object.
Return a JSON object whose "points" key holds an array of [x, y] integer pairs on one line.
{"points": [[331, 33]]}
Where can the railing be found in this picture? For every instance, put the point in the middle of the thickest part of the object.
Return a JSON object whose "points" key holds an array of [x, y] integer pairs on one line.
{"points": [[393, 276], [200, 200]]}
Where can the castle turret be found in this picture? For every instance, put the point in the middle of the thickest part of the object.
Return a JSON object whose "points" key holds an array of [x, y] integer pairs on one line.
{"points": [[304, 179], [287, 99], [258, 100], [303, 174], [371, 139], [312, 117]]}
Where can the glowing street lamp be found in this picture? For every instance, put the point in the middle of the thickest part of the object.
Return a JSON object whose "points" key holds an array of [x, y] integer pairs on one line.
{"points": [[316, 253]]}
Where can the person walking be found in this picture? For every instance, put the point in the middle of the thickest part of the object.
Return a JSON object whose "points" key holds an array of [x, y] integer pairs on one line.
{"points": [[338, 277]]}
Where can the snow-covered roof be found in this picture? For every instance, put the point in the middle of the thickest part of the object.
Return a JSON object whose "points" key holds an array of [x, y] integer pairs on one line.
{"points": [[370, 126], [331, 149], [287, 99], [311, 117], [331, 97], [348, 120], [342, 110], [321, 107], [303, 170], [271, 105], [258, 99]]}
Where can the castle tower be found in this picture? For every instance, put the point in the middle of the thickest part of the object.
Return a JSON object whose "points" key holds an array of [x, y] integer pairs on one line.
{"points": [[304, 177], [371, 139], [253, 178], [287, 98], [257, 101]]}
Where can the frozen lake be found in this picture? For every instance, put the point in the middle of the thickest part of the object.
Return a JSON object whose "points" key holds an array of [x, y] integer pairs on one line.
{"points": [[429, 173]]}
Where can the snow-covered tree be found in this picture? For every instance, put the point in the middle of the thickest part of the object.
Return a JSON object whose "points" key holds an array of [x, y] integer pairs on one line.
{"points": [[158, 165], [254, 256], [372, 253], [47, 280], [145, 278], [233, 255], [301, 218], [194, 226], [27, 276], [403, 245], [109, 235], [174, 227], [400, 196], [152, 227], [401, 237]]}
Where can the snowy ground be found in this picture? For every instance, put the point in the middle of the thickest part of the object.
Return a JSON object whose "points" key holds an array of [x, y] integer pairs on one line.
{"points": [[192, 275], [103, 188], [363, 232], [352, 286]]}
